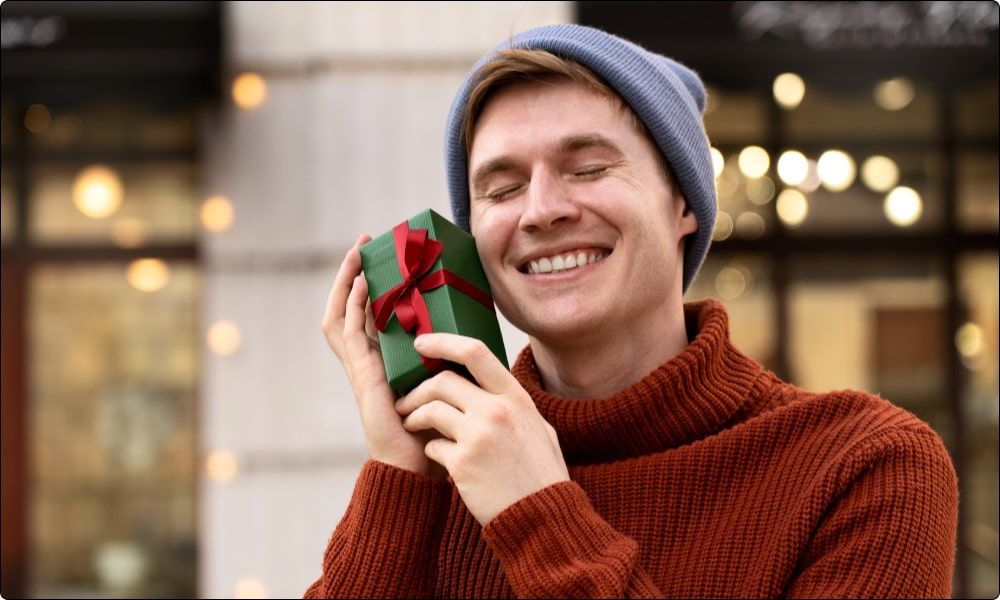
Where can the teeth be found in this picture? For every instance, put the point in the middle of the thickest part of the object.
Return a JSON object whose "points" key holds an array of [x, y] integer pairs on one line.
{"points": [[558, 263]]}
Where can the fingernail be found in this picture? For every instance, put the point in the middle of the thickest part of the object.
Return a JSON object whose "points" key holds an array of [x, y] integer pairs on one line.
{"points": [[418, 341]]}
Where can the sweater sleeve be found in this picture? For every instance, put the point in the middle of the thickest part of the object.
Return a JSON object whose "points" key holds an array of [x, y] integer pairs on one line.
{"points": [[554, 544], [892, 531], [386, 544]]}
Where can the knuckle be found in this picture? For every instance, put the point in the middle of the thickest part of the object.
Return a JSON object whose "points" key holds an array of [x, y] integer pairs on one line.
{"points": [[476, 351], [498, 413]]}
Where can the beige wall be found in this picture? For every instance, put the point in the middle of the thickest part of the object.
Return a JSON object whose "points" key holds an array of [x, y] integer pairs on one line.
{"points": [[348, 140]]}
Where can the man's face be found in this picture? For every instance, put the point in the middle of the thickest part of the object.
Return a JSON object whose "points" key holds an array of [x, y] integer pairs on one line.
{"points": [[557, 170]]}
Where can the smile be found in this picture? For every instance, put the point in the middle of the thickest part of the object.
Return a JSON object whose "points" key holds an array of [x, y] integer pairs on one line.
{"points": [[564, 261]]}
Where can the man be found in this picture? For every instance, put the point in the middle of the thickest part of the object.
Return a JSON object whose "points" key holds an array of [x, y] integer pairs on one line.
{"points": [[632, 450]]}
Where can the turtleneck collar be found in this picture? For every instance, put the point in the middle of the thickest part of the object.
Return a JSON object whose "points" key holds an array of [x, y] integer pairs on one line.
{"points": [[691, 396]]}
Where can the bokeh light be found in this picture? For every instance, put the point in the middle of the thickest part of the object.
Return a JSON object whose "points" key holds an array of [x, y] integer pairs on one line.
{"points": [[792, 207], [723, 226], [221, 466], [249, 90], [97, 191], [217, 214], [969, 340], [148, 274], [754, 161], [223, 337], [788, 89], [718, 161], [894, 94], [793, 167], [37, 118], [879, 173], [836, 170], [903, 206]]}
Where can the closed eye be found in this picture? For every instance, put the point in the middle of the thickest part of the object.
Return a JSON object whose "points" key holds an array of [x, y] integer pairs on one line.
{"points": [[590, 171], [503, 192]]}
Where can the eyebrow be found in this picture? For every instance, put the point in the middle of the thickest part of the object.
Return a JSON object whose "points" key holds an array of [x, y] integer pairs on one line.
{"points": [[573, 143]]}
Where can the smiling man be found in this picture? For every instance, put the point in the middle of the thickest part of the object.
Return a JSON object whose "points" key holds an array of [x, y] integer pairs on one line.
{"points": [[632, 450]]}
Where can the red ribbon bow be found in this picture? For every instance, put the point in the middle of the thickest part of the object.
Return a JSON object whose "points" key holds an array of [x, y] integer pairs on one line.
{"points": [[415, 255]]}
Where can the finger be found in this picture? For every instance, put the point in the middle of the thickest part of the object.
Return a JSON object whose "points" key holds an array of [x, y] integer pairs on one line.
{"points": [[370, 329], [446, 386], [441, 451], [355, 338], [474, 354], [341, 288], [438, 415]]}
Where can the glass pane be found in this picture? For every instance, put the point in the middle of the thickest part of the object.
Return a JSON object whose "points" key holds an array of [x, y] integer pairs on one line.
{"points": [[742, 282], [8, 206], [859, 209], [111, 430], [733, 117], [109, 126], [854, 115], [977, 344], [977, 110], [157, 203], [873, 324], [978, 191]]}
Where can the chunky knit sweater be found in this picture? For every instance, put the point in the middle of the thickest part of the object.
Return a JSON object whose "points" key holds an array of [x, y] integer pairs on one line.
{"points": [[707, 478]]}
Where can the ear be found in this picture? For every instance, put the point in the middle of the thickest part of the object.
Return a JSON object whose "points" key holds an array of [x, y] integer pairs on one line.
{"points": [[685, 219]]}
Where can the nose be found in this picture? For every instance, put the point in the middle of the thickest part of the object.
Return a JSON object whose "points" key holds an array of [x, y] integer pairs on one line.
{"points": [[549, 202]]}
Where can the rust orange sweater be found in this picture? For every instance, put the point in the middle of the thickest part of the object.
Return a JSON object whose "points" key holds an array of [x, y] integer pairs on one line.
{"points": [[707, 478]]}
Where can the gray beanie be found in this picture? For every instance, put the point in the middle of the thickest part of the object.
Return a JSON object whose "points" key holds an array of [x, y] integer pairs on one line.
{"points": [[667, 97]]}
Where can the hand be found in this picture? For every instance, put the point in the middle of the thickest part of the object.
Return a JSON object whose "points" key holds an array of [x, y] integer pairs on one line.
{"points": [[496, 446], [350, 331]]}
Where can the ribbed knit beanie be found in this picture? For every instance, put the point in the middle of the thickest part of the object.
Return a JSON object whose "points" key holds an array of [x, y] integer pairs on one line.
{"points": [[668, 98]]}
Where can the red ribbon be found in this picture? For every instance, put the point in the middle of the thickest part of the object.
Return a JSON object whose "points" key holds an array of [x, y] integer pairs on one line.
{"points": [[415, 255]]}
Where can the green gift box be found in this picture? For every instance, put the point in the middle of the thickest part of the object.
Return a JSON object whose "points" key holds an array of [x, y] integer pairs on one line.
{"points": [[424, 275]]}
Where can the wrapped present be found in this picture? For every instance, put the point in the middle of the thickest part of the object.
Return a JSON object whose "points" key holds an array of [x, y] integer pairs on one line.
{"points": [[425, 276]]}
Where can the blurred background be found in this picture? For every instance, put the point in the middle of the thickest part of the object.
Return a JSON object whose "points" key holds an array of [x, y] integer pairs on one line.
{"points": [[180, 181]]}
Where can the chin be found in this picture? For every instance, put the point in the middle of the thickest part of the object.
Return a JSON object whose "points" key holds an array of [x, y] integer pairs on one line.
{"points": [[571, 324]]}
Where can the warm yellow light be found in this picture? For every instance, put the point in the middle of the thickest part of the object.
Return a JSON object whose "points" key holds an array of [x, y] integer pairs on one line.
{"points": [[879, 173], [749, 226], [792, 207], [894, 94], [249, 588], [793, 167], [789, 89], [836, 170], [221, 466], [723, 226], [97, 191], [249, 90], [718, 162], [128, 232], [148, 274], [760, 190], [903, 206], [730, 283], [754, 161], [223, 337], [217, 214], [37, 118], [969, 340]]}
